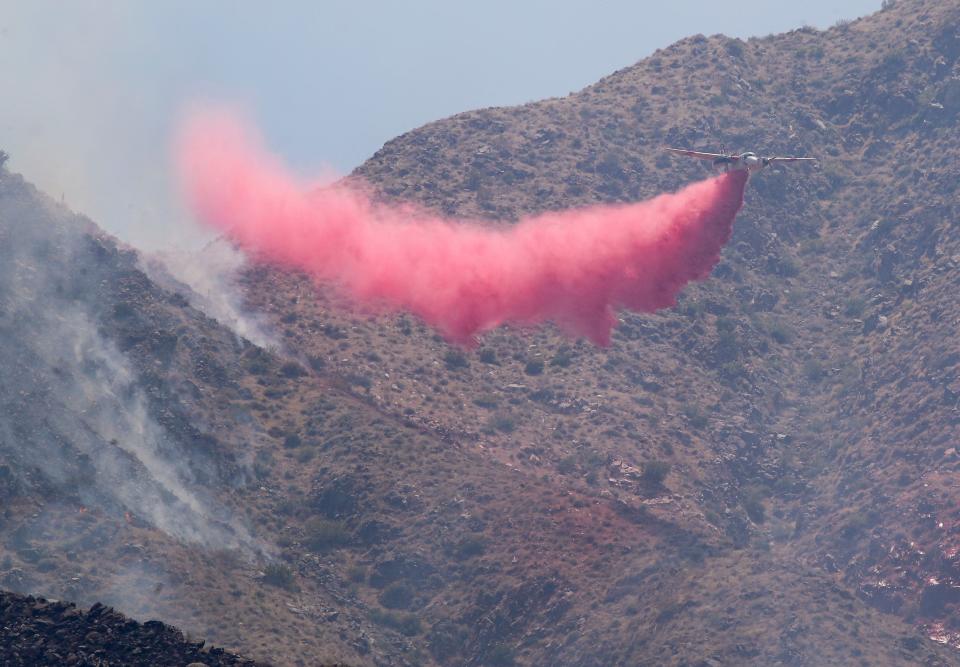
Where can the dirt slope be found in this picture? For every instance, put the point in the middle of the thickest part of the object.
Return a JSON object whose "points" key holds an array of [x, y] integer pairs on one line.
{"points": [[761, 475]]}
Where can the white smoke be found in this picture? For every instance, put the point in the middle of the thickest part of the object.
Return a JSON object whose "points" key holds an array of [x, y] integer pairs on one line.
{"points": [[211, 274], [75, 421]]}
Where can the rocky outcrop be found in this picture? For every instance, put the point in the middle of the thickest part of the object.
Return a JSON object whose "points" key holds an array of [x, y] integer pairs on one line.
{"points": [[35, 632]]}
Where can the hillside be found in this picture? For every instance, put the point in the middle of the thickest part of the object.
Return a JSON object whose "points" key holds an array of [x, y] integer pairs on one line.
{"points": [[46, 632], [764, 474]]}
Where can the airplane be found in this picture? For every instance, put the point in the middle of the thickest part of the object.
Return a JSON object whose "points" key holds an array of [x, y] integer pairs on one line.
{"points": [[748, 161]]}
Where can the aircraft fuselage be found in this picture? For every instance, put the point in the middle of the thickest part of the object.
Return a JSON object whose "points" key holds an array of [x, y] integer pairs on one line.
{"points": [[747, 161]]}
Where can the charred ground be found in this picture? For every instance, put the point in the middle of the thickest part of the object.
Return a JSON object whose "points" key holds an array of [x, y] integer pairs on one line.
{"points": [[765, 474]]}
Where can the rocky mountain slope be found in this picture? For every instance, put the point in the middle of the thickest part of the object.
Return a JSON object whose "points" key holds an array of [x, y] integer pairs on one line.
{"points": [[763, 475], [38, 632]]}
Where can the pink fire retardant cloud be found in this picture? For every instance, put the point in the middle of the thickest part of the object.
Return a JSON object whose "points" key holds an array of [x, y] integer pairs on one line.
{"points": [[575, 268]]}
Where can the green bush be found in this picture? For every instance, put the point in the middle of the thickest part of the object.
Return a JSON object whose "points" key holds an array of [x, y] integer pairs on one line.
{"points": [[471, 547], [695, 416], [257, 364], [455, 359], [500, 656], [813, 371], [562, 359], [279, 575], [533, 367], [406, 624], [359, 380], [781, 333], [488, 401], [732, 371], [446, 640], [292, 369], [655, 472], [398, 595], [734, 47], [728, 347], [502, 422], [755, 509], [567, 465], [322, 534], [854, 306]]}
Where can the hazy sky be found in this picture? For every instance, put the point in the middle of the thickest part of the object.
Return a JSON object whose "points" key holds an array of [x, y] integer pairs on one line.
{"points": [[92, 89]]}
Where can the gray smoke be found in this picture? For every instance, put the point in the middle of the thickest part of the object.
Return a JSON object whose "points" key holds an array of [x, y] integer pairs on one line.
{"points": [[75, 420], [208, 278]]}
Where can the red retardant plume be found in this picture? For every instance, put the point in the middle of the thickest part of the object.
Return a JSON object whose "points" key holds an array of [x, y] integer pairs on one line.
{"points": [[575, 268]]}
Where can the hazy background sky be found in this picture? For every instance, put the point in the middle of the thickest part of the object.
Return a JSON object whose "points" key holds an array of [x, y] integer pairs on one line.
{"points": [[92, 89]]}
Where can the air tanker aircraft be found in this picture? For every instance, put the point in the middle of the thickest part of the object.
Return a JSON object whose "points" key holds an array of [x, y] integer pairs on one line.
{"points": [[747, 161]]}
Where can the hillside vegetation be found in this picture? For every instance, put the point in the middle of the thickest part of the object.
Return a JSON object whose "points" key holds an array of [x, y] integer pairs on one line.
{"points": [[765, 474]]}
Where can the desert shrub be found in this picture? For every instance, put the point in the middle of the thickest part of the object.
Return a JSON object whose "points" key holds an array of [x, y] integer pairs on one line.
{"points": [[727, 345], [279, 575], [732, 371], [858, 523], [398, 595], [292, 369], [567, 465], [321, 534], [292, 441], [695, 415], [562, 358], [263, 464], [488, 401], [594, 459], [357, 574], [854, 306], [726, 324], [257, 363], [692, 308], [500, 656], [753, 506], [447, 640], [781, 333], [488, 356], [785, 267], [655, 472], [359, 380], [502, 422], [533, 367], [812, 371], [894, 61], [470, 547], [406, 624], [734, 47], [455, 359], [333, 331]]}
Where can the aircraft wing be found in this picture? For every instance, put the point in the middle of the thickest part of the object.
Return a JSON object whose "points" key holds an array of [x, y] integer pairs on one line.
{"points": [[697, 154], [792, 159]]}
